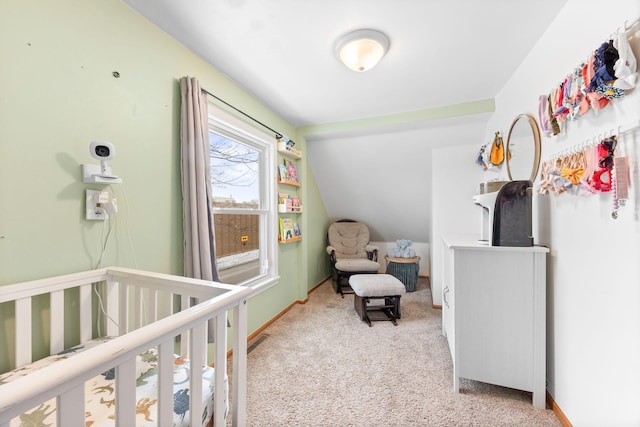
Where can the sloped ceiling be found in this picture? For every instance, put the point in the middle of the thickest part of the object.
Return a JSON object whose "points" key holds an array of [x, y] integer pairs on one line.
{"points": [[442, 52], [384, 179]]}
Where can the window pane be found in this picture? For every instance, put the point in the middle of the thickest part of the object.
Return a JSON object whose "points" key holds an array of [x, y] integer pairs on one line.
{"points": [[235, 173], [237, 247], [235, 183]]}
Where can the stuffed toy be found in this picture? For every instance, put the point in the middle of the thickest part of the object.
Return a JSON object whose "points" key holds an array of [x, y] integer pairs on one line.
{"points": [[402, 249]]}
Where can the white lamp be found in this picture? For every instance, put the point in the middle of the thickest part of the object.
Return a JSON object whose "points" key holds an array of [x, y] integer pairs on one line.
{"points": [[360, 50]]}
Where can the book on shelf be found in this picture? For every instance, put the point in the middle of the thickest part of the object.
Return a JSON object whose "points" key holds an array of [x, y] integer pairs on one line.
{"points": [[282, 172], [291, 171], [296, 230], [285, 199], [288, 203], [296, 206], [286, 229], [286, 145], [286, 142]]}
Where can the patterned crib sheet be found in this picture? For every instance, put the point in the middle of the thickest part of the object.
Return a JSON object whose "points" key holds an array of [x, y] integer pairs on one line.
{"points": [[100, 392]]}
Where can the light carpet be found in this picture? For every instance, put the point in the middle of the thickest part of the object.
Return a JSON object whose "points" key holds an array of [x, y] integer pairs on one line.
{"points": [[320, 365]]}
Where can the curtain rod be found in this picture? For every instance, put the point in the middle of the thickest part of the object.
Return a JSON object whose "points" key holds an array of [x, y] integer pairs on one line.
{"points": [[278, 134]]}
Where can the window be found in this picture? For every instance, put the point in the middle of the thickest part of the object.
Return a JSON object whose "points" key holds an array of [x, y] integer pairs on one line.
{"points": [[244, 208]]}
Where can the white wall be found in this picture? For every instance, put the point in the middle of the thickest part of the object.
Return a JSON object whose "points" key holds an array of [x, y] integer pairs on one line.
{"points": [[593, 291], [456, 179], [375, 179], [384, 179]]}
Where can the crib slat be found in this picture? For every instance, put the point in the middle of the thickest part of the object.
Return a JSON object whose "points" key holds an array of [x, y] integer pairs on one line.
{"points": [[70, 408], [23, 331], [165, 305], [124, 309], [153, 306], [56, 321], [112, 289], [126, 393], [197, 348], [165, 383], [220, 360], [185, 302], [239, 398], [168, 305], [85, 313], [138, 307]]}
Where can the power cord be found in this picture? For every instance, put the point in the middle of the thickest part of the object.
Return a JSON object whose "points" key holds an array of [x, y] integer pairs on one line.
{"points": [[102, 238], [104, 311], [103, 250], [133, 252]]}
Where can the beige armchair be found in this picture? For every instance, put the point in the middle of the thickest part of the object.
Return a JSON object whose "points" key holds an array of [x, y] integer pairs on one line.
{"points": [[350, 253]]}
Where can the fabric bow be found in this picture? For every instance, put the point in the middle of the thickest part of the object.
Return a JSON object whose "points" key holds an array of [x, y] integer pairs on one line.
{"points": [[572, 174]]}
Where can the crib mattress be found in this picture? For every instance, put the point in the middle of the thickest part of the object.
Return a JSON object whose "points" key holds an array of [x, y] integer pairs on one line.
{"points": [[100, 392]]}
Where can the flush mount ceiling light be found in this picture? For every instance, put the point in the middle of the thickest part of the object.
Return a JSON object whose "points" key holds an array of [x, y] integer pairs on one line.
{"points": [[360, 50]]}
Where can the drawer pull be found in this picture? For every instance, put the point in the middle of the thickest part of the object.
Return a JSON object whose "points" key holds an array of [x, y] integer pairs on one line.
{"points": [[445, 292]]}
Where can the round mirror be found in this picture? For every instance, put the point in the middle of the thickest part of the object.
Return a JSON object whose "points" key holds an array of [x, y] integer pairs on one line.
{"points": [[523, 148]]}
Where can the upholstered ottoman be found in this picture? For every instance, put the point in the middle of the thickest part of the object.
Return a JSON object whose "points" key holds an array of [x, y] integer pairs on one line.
{"points": [[348, 267], [383, 289]]}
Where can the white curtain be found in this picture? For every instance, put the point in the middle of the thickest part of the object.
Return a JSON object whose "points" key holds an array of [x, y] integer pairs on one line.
{"points": [[199, 241]]}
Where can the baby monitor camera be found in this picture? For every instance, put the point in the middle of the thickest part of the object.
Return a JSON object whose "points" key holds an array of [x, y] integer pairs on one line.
{"points": [[103, 151]]}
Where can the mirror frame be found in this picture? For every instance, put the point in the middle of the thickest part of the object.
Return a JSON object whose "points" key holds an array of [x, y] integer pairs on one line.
{"points": [[536, 141]]}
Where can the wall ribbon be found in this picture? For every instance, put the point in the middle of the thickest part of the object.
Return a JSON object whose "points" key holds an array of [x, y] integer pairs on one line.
{"points": [[593, 167], [608, 73]]}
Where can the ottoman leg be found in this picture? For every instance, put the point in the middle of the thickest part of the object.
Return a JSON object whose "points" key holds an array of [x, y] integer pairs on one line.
{"points": [[393, 310], [360, 304], [365, 311]]}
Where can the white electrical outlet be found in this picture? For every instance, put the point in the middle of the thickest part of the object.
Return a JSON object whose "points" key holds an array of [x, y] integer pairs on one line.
{"points": [[93, 200]]}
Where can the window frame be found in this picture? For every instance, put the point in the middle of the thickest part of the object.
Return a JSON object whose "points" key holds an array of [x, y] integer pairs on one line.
{"points": [[231, 127]]}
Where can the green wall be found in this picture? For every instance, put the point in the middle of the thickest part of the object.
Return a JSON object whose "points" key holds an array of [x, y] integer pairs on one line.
{"points": [[59, 93]]}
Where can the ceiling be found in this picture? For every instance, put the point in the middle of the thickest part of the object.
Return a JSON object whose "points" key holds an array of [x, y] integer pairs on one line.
{"points": [[442, 52]]}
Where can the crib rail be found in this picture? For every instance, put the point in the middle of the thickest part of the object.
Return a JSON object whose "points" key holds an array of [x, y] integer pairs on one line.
{"points": [[139, 311]]}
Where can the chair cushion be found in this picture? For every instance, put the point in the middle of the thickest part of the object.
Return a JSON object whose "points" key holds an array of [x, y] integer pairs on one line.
{"points": [[357, 265], [376, 285], [349, 239]]}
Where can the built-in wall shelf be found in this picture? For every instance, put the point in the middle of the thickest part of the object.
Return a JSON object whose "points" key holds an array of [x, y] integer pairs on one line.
{"points": [[289, 225], [289, 230], [289, 209], [288, 173], [289, 151], [287, 182], [293, 240], [289, 203]]}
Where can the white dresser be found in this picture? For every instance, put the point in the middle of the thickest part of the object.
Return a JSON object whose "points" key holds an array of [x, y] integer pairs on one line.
{"points": [[494, 313]]}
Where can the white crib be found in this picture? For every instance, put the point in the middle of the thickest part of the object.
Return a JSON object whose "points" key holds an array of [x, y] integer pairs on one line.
{"points": [[138, 310]]}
